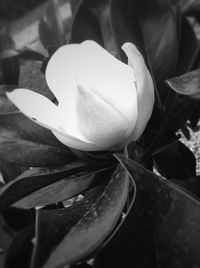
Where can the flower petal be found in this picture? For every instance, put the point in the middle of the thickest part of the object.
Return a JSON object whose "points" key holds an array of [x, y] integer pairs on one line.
{"points": [[61, 73], [99, 121], [110, 78], [144, 87], [36, 107], [42, 111]]}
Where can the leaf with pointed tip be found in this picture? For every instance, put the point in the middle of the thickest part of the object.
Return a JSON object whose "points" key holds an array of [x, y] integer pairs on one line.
{"points": [[53, 225], [31, 154], [35, 179], [162, 225], [94, 226], [63, 189], [176, 161], [187, 84]]}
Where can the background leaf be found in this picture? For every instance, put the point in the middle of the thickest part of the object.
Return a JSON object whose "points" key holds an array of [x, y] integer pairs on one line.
{"points": [[64, 189], [94, 226], [176, 161], [187, 84], [162, 228], [32, 180]]}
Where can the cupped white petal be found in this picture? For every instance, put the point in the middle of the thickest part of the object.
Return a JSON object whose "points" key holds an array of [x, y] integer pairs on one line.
{"points": [[45, 113], [36, 107], [110, 78], [144, 87], [61, 74], [99, 121]]}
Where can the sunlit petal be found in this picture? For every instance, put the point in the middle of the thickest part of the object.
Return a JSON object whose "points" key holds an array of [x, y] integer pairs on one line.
{"points": [[144, 87], [111, 79], [99, 121], [42, 111]]}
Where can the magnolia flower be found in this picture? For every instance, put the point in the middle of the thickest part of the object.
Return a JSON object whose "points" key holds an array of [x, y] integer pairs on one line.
{"points": [[102, 103]]}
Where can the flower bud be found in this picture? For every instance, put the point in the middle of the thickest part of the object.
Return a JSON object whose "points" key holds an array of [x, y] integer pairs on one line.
{"points": [[102, 103]]}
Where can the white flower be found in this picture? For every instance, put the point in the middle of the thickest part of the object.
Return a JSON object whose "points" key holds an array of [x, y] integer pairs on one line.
{"points": [[103, 103]]}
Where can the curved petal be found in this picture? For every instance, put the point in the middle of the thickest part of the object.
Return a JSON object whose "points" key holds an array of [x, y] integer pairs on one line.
{"points": [[42, 111], [144, 87], [36, 107], [99, 121], [61, 75], [110, 78]]}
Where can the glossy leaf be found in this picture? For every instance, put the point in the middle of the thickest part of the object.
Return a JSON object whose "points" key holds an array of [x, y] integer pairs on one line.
{"points": [[94, 226], [187, 84], [35, 179], [54, 224], [31, 154], [63, 189], [162, 228], [176, 161]]}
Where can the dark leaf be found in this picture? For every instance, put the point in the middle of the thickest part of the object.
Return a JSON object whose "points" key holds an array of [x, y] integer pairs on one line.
{"points": [[10, 70], [176, 161], [75, 4], [94, 226], [6, 238], [19, 252], [16, 219], [187, 84], [32, 78], [63, 189], [53, 225], [194, 116], [29, 54], [9, 171], [192, 185], [189, 48], [152, 26], [5, 105], [162, 228], [85, 22], [189, 7], [31, 154], [17, 125], [35, 179], [51, 28]]}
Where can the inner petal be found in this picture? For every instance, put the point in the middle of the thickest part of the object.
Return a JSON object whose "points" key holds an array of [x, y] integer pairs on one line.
{"points": [[98, 121]]}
